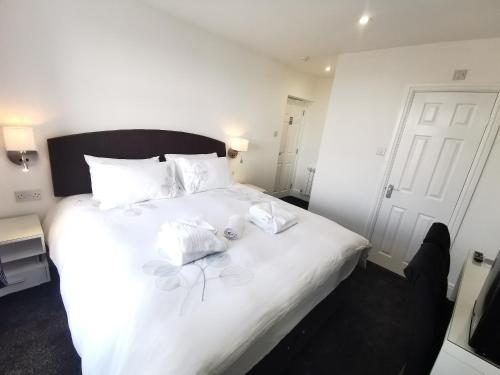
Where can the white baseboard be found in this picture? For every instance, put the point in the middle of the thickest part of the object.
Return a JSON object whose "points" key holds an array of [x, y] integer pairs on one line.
{"points": [[297, 194], [293, 193], [450, 294]]}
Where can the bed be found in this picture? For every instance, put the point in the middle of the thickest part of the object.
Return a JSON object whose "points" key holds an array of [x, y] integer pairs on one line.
{"points": [[130, 312]]}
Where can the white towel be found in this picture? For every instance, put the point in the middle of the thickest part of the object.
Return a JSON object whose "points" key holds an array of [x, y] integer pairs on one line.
{"points": [[186, 241], [271, 217], [234, 228], [198, 222]]}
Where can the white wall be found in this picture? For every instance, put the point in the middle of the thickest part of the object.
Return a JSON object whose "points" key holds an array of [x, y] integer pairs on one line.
{"points": [[71, 66], [367, 96], [312, 132]]}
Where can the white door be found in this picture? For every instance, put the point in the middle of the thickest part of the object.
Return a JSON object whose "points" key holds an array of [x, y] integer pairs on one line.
{"points": [[441, 136], [290, 132]]}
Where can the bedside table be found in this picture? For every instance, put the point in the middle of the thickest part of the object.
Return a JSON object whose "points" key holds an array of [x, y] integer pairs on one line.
{"points": [[22, 253], [256, 188]]}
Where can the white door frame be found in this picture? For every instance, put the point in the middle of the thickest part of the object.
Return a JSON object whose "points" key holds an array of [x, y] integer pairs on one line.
{"points": [[476, 169], [299, 140]]}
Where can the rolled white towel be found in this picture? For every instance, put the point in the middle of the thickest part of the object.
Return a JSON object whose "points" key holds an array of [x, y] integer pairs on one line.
{"points": [[235, 227], [271, 217], [186, 241]]}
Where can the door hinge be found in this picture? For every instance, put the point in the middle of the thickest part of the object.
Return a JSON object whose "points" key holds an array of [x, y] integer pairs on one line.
{"points": [[296, 151], [303, 112], [290, 186]]}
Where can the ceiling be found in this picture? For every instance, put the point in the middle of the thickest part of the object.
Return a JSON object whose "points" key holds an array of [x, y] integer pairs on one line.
{"points": [[289, 30]]}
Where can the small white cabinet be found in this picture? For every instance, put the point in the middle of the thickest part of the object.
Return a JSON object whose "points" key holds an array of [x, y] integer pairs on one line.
{"points": [[22, 253]]}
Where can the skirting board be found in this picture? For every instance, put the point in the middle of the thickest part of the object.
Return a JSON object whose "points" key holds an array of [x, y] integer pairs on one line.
{"points": [[297, 194], [293, 193], [450, 294]]}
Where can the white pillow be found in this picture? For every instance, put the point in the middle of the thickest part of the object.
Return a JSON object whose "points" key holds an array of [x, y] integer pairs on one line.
{"points": [[121, 185], [91, 160], [204, 174], [175, 157]]}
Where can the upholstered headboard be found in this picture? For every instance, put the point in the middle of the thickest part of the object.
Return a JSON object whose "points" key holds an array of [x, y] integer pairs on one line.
{"points": [[70, 173]]}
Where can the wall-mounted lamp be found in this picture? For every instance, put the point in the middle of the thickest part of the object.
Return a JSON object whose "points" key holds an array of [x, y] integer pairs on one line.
{"points": [[237, 145], [20, 146]]}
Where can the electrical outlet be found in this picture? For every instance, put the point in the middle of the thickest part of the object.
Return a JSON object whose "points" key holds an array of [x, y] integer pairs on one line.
{"points": [[28, 195]]}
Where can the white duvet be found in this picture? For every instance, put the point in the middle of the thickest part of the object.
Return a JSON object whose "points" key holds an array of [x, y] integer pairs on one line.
{"points": [[130, 312]]}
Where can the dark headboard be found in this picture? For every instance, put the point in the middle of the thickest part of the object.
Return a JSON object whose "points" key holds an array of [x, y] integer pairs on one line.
{"points": [[70, 173]]}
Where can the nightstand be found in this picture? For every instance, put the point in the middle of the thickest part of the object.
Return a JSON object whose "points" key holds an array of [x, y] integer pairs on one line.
{"points": [[22, 253], [258, 188]]}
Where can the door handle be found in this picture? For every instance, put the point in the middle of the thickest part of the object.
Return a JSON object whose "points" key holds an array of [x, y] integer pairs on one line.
{"points": [[388, 192]]}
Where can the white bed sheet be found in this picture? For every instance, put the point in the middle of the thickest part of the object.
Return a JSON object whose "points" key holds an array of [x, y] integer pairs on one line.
{"points": [[219, 315]]}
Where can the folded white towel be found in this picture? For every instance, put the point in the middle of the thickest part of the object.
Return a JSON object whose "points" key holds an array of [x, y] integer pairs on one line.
{"points": [[271, 217], [186, 241], [234, 228], [198, 222]]}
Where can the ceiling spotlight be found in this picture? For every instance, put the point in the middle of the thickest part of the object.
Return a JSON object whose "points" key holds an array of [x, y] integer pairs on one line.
{"points": [[364, 20], [328, 68], [305, 58]]}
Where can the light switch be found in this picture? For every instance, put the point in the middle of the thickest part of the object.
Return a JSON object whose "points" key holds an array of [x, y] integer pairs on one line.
{"points": [[381, 151], [460, 75]]}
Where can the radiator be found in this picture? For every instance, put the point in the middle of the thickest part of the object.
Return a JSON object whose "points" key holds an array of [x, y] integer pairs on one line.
{"points": [[310, 178]]}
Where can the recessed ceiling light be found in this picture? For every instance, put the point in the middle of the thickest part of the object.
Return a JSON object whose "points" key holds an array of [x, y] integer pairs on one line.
{"points": [[364, 20], [328, 68]]}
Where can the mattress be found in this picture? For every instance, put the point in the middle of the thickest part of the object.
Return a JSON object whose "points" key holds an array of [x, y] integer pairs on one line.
{"points": [[131, 312]]}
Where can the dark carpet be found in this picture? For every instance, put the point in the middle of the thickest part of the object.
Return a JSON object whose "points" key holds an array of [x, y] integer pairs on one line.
{"points": [[34, 333], [296, 201], [361, 328]]}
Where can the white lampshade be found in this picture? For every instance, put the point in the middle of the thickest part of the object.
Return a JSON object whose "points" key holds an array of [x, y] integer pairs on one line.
{"points": [[19, 139], [239, 144]]}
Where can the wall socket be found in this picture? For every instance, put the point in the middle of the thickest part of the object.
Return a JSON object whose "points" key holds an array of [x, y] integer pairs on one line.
{"points": [[28, 195]]}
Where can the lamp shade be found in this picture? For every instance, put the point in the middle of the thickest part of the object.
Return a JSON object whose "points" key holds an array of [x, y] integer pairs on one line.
{"points": [[19, 139], [239, 144]]}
